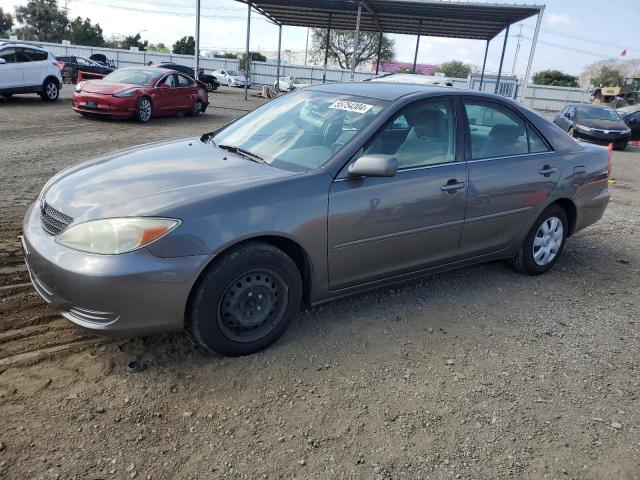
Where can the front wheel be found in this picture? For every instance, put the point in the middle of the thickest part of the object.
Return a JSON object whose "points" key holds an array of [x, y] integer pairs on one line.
{"points": [[544, 243], [144, 110], [246, 300], [620, 145], [212, 87], [50, 91]]}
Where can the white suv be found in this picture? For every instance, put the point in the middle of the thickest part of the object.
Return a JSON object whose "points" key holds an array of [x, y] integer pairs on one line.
{"points": [[27, 68]]}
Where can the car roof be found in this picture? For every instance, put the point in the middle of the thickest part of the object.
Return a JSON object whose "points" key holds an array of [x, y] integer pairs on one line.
{"points": [[391, 90], [21, 44]]}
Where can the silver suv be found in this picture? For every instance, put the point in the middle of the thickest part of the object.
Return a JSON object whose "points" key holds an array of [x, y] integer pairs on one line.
{"points": [[26, 68]]}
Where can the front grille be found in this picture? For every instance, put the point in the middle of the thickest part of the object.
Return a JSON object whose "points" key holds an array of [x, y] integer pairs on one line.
{"points": [[53, 221]]}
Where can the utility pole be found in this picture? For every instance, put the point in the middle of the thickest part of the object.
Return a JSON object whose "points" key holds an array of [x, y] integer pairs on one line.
{"points": [[306, 48], [515, 55]]}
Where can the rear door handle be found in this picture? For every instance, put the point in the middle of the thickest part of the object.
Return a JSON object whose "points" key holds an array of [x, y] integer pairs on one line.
{"points": [[452, 185], [547, 170]]}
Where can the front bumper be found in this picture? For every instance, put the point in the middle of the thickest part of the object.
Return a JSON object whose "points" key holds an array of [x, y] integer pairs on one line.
{"points": [[601, 138], [130, 294], [107, 105]]}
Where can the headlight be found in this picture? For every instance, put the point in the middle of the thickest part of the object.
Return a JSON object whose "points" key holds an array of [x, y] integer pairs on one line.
{"points": [[78, 88], [624, 132], [111, 236], [125, 93], [583, 128]]}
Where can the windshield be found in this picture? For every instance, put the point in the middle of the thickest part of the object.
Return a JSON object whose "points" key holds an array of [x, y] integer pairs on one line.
{"points": [[302, 130], [233, 73], [595, 113], [133, 76]]}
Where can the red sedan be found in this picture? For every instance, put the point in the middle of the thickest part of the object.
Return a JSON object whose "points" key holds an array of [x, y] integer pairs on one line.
{"points": [[141, 93]]}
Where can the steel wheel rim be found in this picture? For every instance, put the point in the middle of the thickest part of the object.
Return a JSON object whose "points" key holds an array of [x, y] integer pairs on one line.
{"points": [[253, 305], [145, 110], [547, 241], [52, 90]]}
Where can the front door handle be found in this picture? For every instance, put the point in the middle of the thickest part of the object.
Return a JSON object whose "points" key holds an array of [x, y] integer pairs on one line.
{"points": [[452, 186], [547, 170]]}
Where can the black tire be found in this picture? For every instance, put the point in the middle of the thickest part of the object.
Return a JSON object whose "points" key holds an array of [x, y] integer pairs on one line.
{"points": [[6, 95], [197, 108], [144, 109], [212, 87], [245, 301], [525, 262], [620, 145], [50, 90]]}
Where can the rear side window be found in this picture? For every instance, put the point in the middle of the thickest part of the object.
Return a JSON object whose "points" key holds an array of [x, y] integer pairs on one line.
{"points": [[9, 55], [33, 55], [497, 132]]}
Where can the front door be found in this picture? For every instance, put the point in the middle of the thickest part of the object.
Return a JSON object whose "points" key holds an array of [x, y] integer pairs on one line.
{"points": [[381, 227], [512, 171], [11, 71]]}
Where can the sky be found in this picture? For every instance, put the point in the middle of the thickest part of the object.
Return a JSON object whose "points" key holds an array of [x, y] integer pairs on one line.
{"points": [[574, 33]]}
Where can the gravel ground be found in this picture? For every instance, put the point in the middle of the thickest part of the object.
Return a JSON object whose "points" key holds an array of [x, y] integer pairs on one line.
{"points": [[479, 373]]}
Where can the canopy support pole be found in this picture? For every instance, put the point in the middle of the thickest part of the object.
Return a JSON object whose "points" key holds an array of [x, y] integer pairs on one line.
{"points": [[326, 51], [504, 46], [379, 50], [415, 56], [278, 65], [356, 42], [484, 64], [197, 52], [247, 60], [532, 52]]}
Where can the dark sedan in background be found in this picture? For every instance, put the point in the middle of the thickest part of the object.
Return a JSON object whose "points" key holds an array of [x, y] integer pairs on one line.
{"points": [[594, 123], [321, 193], [631, 116], [72, 66]]}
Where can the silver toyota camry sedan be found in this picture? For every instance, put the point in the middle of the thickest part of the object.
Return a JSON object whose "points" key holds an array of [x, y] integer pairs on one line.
{"points": [[321, 193]]}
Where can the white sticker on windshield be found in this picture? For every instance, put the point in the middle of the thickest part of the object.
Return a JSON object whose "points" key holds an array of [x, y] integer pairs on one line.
{"points": [[351, 106]]}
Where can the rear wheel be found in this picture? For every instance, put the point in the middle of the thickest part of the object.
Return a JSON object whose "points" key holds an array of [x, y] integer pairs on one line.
{"points": [[197, 108], [144, 110], [50, 90], [621, 145], [246, 300], [544, 243], [212, 86]]}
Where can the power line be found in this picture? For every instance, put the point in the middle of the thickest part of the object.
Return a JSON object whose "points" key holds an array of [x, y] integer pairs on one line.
{"points": [[582, 39]]}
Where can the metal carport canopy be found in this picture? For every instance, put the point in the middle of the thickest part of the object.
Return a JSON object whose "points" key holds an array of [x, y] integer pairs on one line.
{"points": [[478, 21]]}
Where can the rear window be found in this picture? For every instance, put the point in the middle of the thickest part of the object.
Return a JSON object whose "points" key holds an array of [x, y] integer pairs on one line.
{"points": [[33, 55]]}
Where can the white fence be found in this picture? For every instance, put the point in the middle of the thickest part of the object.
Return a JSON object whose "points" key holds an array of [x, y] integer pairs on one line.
{"points": [[539, 97]]}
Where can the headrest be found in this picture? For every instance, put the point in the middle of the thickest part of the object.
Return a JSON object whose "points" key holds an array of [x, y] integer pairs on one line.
{"points": [[427, 122], [510, 132]]}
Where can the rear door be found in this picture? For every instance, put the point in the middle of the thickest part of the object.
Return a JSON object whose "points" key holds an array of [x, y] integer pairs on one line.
{"points": [[187, 90], [11, 74], [166, 99], [512, 172], [381, 227], [35, 66]]}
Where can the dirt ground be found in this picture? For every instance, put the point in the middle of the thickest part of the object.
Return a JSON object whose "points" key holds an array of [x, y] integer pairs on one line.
{"points": [[479, 373]]}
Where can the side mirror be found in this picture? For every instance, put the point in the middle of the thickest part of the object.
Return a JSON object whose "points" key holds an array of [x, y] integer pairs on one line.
{"points": [[2, 61], [567, 114], [374, 165]]}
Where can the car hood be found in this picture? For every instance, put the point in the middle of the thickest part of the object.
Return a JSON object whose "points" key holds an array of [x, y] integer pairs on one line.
{"points": [[105, 88], [148, 179], [602, 124]]}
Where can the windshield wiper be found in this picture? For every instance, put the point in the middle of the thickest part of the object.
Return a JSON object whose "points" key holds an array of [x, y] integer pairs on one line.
{"points": [[243, 153]]}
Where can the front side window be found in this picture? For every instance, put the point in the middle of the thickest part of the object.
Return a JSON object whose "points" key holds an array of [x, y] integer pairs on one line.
{"points": [[495, 131], [302, 130], [9, 55], [419, 135], [184, 81]]}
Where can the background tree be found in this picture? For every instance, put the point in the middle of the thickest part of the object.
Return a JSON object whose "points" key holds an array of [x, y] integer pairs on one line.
{"points": [[226, 55], [555, 78], [341, 47], [6, 22], [455, 69], [254, 56], [158, 47], [609, 72], [42, 20], [82, 32], [185, 46], [134, 41]]}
